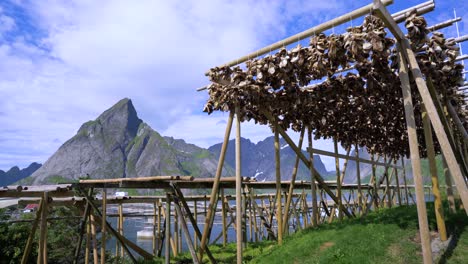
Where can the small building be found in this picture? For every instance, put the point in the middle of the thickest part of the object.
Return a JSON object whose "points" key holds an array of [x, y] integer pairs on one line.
{"points": [[30, 208]]}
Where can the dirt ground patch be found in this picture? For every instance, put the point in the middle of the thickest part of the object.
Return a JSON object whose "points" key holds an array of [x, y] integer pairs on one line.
{"points": [[326, 245]]}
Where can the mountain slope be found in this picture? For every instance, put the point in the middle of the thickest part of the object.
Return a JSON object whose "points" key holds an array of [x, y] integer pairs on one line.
{"points": [[258, 160], [16, 174], [119, 144]]}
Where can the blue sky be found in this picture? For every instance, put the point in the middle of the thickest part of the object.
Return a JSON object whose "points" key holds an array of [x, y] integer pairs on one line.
{"points": [[65, 62]]}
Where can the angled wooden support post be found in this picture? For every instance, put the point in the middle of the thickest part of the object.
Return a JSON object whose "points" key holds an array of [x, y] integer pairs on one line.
{"points": [[82, 228], [397, 181], [99, 220], [448, 183], [188, 238], [313, 185], [358, 174], [279, 209], [29, 243], [103, 226], [42, 256], [439, 210], [167, 249], [215, 191], [238, 188], [444, 142], [338, 180], [415, 161], [293, 181], [404, 180], [192, 220], [306, 162]]}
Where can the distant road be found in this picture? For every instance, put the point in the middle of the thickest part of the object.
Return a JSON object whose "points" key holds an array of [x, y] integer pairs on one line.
{"points": [[7, 202]]}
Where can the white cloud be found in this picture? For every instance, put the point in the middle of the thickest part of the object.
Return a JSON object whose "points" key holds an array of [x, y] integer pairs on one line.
{"points": [[64, 62]]}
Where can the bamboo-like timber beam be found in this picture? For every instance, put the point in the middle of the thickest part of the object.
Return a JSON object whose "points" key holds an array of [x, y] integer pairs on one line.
{"points": [[358, 174], [308, 33], [238, 187], [415, 160], [439, 210], [444, 24], [215, 189], [317, 176], [343, 156]]}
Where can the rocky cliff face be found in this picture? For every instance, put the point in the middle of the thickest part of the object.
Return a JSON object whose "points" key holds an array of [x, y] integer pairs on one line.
{"points": [[16, 174], [258, 160], [119, 144]]}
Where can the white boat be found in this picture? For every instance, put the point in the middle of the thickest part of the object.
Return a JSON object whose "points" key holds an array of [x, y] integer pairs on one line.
{"points": [[145, 233]]}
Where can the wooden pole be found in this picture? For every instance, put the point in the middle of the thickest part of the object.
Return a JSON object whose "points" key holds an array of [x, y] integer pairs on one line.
{"points": [[88, 239], [29, 243], [121, 229], [439, 210], [195, 216], [93, 234], [103, 226], [293, 181], [312, 181], [188, 238], [397, 181], [358, 176], [214, 192], [338, 179], [374, 182], [167, 250], [238, 188], [279, 209], [387, 185], [82, 229], [415, 161], [448, 182], [223, 217], [404, 180], [176, 234], [442, 137], [155, 221], [42, 256]]}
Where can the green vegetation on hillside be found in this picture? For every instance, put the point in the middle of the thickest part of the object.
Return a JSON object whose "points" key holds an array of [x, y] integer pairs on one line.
{"points": [[384, 236]]}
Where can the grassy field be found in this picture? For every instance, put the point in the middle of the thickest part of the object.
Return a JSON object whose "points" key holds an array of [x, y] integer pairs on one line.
{"points": [[384, 236]]}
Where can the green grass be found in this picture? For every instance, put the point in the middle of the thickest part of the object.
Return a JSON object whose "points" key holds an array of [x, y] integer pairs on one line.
{"points": [[384, 236]]}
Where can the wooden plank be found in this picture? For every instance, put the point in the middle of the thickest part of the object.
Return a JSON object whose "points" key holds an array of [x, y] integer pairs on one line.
{"points": [[214, 192], [94, 240], [358, 174], [448, 183], [405, 181], [103, 226], [415, 160]]}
